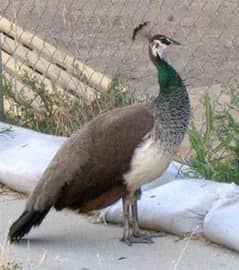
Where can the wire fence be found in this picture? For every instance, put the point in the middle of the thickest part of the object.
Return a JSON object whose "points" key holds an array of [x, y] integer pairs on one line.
{"points": [[77, 47]]}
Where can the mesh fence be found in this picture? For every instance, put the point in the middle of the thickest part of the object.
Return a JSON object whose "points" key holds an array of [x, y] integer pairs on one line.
{"points": [[76, 47]]}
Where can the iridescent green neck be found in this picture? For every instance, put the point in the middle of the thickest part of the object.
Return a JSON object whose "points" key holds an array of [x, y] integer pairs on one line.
{"points": [[171, 108], [168, 78]]}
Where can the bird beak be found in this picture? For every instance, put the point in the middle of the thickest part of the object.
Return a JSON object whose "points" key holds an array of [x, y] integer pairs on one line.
{"points": [[174, 42]]}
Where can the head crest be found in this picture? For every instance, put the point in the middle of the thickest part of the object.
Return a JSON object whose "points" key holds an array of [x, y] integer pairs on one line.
{"points": [[138, 29]]}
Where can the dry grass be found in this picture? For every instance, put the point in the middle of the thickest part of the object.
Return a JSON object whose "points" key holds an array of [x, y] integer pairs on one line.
{"points": [[4, 190], [183, 252], [59, 113], [5, 263]]}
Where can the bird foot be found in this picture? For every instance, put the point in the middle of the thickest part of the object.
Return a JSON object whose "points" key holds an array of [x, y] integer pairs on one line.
{"points": [[155, 234], [140, 237], [148, 235], [137, 239]]}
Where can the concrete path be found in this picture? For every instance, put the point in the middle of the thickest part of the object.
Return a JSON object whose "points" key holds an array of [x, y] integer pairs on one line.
{"points": [[68, 241]]}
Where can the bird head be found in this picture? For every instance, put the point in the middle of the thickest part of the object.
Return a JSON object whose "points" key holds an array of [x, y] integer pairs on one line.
{"points": [[157, 43]]}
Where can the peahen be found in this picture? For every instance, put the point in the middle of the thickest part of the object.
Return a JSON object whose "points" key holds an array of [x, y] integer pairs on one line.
{"points": [[113, 155]]}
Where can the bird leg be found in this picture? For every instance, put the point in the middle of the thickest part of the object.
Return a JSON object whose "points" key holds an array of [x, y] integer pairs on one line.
{"points": [[142, 237], [133, 235], [135, 226], [126, 221]]}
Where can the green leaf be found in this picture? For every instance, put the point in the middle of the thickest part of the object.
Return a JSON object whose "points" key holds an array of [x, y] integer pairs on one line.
{"points": [[197, 143], [209, 119]]}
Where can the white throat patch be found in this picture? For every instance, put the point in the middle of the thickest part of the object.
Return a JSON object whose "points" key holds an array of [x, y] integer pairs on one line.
{"points": [[148, 163], [158, 48]]}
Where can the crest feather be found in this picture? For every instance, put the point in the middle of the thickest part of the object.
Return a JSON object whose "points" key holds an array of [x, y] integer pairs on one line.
{"points": [[138, 29]]}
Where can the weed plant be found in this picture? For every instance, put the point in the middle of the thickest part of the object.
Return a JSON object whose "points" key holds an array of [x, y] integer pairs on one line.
{"points": [[215, 148], [56, 112]]}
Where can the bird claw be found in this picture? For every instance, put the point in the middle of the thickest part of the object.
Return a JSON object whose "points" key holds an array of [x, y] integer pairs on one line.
{"points": [[137, 239], [155, 234], [142, 237]]}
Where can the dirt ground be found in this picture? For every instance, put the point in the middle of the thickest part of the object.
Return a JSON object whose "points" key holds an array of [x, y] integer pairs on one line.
{"points": [[99, 34]]}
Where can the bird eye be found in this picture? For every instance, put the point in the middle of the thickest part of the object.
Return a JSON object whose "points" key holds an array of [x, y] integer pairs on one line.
{"points": [[166, 41]]}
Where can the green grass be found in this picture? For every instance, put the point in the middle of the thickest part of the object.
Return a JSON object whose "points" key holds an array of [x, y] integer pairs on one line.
{"points": [[215, 148]]}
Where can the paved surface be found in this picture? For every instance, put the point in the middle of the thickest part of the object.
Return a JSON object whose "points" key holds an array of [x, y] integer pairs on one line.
{"points": [[69, 241]]}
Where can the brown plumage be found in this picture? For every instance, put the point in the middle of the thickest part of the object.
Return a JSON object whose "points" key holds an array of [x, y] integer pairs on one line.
{"points": [[83, 168], [86, 173]]}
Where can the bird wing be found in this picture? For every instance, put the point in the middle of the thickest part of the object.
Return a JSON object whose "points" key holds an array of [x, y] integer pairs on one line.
{"points": [[92, 160]]}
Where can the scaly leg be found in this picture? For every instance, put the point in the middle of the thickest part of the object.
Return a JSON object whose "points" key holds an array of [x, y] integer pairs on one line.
{"points": [[135, 217], [126, 222], [134, 236], [141, 237], [147, 236]]}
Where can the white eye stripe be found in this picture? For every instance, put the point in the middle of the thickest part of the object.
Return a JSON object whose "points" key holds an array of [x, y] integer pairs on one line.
{"points": [[158, 42], [158, 47]]}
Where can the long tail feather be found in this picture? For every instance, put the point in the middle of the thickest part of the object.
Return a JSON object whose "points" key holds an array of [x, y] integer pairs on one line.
{"points": [[24, 224]]}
